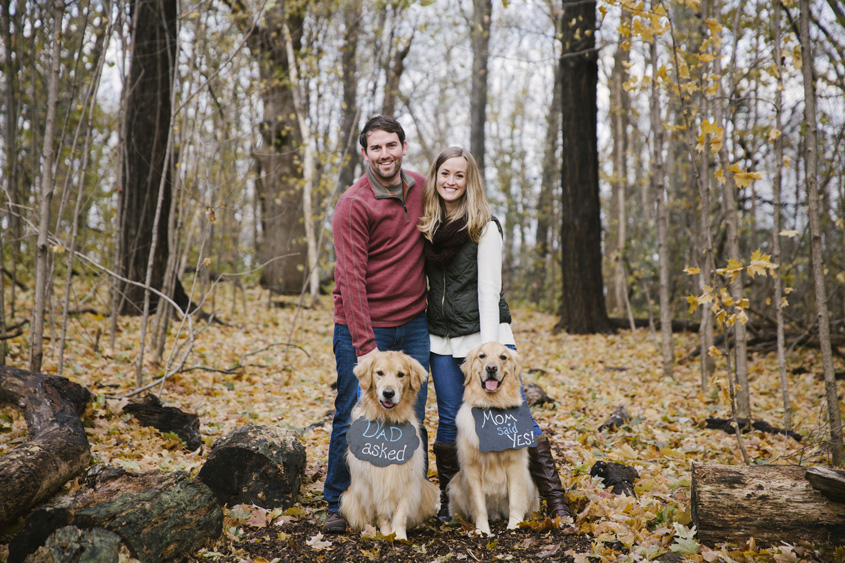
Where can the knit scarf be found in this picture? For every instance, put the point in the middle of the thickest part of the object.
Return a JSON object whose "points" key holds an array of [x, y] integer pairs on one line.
{"points": [[447, 240]]}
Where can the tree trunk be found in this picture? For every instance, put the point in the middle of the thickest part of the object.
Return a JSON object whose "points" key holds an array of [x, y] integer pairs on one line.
{"points": [[260, 465], [479, 39], [148, 127], [729, 191], [544, 249], [616, 231], [159, 516], [771, 503], [658, 182], [11, 69], [776, 217], [582, 309], [36, 351], [57, 449], [811, 158], [349, 109], [307, 169], [282, 249]]}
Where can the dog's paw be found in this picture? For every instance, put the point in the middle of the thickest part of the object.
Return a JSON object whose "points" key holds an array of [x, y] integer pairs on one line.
{"points": [[481, 531], [513, 523]]}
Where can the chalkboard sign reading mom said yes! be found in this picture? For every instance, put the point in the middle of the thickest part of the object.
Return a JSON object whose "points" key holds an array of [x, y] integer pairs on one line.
{"points": [[382, 443], [504, 429]]}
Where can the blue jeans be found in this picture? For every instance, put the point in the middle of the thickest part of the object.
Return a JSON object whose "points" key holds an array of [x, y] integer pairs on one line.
{"points": [[449, 388], [411, 338]]}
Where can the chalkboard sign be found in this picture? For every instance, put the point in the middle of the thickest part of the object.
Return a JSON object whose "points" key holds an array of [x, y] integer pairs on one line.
{"points": [[382, 443], [504, 429]]}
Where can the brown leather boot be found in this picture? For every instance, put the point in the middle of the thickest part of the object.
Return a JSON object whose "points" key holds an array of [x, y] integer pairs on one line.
{"points": [[446, 458], [541, 465]]}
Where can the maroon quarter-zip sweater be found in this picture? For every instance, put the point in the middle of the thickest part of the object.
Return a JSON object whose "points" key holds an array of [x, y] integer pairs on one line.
{"points": [[379, 275]]}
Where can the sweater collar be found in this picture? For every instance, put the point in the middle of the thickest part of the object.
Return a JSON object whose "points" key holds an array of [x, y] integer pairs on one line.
{"points": [[382, 192]]}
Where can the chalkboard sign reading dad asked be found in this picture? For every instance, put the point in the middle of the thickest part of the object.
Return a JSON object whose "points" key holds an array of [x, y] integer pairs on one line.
{"points": [[382, 443], [504, 429]]}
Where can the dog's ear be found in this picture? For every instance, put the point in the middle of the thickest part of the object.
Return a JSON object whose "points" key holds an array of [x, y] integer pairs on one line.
{"points": [[417, 373], [364, 372], [466, 367], [517, 363]]}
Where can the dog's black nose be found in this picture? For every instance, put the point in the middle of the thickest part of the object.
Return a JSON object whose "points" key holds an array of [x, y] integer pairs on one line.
{"points": [[388, 393], [491, 368]]}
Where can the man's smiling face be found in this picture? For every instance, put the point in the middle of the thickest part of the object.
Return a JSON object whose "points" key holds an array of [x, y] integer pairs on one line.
{"points": [[384, 153]]}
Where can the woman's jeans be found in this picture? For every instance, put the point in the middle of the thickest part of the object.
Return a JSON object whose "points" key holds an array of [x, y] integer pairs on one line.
{"points": [[411, 338], [449, 388]]}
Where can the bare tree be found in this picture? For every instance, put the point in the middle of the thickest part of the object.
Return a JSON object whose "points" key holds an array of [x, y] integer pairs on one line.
{"points": [[658, 182], [729, 190], [617, 223], [280, 199], [479, 39], [46, 197], [776, 220], [811, 160]]}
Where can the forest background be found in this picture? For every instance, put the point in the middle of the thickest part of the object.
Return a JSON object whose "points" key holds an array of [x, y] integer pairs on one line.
{"points": [[667, 164]]}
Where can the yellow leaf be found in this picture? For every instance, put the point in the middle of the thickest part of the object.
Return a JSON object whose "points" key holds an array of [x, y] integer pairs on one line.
{"points": [[760, 263], [714, 352], [720, 176], [743, 178], [692, 271], [732, 271], [791, 233], [709, 127], [693, 303], [714, 26], [774, 134]]}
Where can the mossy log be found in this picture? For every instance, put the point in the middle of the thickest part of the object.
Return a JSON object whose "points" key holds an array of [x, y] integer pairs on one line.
{"points": [[159, 516], [260, 465], [770, 503], [57, 449]]}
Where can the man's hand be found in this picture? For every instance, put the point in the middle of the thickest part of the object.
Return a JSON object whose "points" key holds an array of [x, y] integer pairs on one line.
{"points": [[367, 355]]}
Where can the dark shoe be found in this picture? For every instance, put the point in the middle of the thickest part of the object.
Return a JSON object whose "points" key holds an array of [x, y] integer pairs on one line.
{"points": [[541, 465], [446, 458], [334, 524]]}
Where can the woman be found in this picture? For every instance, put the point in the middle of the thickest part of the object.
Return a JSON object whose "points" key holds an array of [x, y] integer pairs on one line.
{"points": [[467, 307]]}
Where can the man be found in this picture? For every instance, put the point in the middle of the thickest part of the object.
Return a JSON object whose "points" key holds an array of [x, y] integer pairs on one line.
{"points": [[379, 294]]}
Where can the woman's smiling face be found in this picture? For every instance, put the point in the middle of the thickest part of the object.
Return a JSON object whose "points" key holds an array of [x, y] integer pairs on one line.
{"points": [[452, 182]]}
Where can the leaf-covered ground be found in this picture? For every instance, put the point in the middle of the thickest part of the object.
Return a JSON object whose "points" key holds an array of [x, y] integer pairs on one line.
{"points": [[286, 368]]}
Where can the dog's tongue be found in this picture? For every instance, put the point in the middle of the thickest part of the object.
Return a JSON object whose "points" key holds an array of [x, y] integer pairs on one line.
{"points": [[491, 384]]}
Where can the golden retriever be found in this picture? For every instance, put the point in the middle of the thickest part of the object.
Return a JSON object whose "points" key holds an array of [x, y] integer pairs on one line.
{"points": [[494, 484], [396, 496]]}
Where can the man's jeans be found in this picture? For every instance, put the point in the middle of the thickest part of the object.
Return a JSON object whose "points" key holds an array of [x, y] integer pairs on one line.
{"points": [[449, 389], [411, 338]]}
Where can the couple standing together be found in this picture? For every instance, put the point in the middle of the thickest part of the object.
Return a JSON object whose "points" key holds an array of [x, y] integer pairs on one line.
{"points": [[392, 229]]}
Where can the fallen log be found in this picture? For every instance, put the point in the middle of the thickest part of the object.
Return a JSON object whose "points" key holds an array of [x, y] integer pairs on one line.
{"points": [[727, 425], [618, 417], [260, 465], [534, 395], [73, 544], [158, 516], [149, 411], [617, 477], [57, 449], [827, 481], [770, 503]]}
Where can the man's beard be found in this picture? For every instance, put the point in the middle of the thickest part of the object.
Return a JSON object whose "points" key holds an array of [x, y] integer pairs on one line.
{"points": [[377, 170]]}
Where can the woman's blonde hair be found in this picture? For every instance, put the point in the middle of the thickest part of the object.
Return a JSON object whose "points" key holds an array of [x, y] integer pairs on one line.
{"points": [[474, 203]]}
